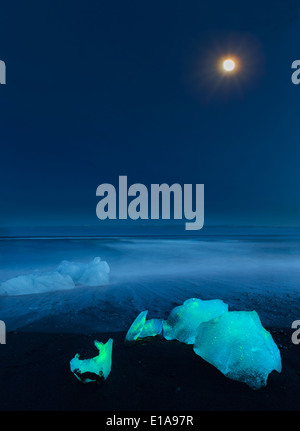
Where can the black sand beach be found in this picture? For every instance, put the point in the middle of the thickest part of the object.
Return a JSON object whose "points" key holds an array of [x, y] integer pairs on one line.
{"points": [[153, 375], [45, 330]]}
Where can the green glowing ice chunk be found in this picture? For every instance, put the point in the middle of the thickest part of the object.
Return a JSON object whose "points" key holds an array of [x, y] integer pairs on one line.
{"points": [[152, 328], [93, 369], [136, 327], [184, 320], [142, 328], [239, 346]]}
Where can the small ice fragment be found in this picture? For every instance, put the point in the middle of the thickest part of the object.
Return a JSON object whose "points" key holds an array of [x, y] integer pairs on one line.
{"points": [[136, 326], [239, 346], [93, 369], [142, 328], [184, 320]]}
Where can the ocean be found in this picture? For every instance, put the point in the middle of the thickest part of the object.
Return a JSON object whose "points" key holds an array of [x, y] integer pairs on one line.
{"points": [[249, 269]]}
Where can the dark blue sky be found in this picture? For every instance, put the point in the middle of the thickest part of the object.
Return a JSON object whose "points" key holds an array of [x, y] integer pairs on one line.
{"points": [[100, 89]]}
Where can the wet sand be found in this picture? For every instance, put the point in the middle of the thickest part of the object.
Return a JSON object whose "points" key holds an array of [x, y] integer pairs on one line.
{"points": [[153, 375]]}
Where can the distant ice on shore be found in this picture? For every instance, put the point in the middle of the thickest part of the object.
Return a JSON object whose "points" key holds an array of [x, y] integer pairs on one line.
{"points": [[248, 272], [66, 276]]}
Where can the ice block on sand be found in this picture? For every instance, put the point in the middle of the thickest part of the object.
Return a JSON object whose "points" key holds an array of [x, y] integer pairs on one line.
{"points": [[239, 346], [184, 320], [66, 276], [142, 328], [37, 282], [94, 273], [152, 327], [93, 369]]}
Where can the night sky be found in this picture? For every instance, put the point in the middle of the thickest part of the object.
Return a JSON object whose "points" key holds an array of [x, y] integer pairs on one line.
{"points": [[100, 89]]}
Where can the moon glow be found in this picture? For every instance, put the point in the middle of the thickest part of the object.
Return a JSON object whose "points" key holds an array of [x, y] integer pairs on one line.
{"points": [[228, 65]]}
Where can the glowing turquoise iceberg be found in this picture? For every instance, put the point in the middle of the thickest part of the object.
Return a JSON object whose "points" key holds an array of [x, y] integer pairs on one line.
{"points": [[151, 328], [184, 320], [142, 328], [93, 369], [239, 346]]}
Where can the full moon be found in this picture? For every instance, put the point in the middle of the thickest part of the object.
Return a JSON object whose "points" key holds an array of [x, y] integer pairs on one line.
{"points": [[228, 65]]}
